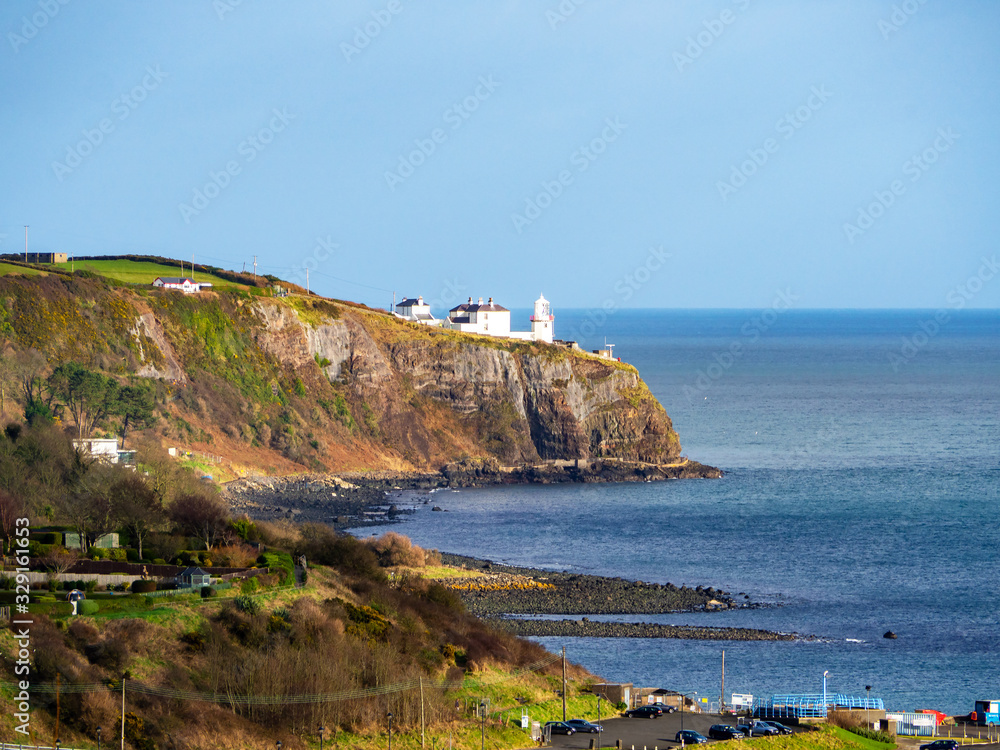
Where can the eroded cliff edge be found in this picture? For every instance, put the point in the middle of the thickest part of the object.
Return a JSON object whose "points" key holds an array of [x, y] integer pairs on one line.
{"points": [[282, 385]]}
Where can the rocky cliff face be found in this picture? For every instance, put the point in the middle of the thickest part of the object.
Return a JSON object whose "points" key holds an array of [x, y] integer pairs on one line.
{"points": [[521, 403], [305, 382]]}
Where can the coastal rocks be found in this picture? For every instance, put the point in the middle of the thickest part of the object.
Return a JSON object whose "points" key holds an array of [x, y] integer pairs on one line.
{"points": [[890, 635], [573, 594], [585, 628]]}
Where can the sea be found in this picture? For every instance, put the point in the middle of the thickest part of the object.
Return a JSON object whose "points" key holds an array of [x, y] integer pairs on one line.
{"points": [[861, 452]]}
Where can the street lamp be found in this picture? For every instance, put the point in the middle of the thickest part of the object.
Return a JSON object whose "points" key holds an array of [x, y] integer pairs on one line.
{"points": [[278, 745], [482, 725], [389, 716], [321, 730], [824, 692], [98, 738], [599, 727], [683, 697], [868, 705]]}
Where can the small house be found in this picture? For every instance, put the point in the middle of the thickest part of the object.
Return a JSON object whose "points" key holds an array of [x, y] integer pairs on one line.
{"points": [[180, 284], [193, 578], [103, 449]]}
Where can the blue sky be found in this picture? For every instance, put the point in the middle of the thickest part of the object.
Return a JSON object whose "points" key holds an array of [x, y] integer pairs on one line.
{"points": [[639, 154]]}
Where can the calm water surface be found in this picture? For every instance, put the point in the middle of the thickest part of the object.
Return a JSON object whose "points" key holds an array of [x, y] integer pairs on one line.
{"points": [[858, 497]]}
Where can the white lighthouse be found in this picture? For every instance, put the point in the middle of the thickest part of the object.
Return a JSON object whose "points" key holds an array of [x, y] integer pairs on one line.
{"points": [[542, 320]]}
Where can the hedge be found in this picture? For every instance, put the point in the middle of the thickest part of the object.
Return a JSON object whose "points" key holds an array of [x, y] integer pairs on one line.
{"points": [[87, 607]]}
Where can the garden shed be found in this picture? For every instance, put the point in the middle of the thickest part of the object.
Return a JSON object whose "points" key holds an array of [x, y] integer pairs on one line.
{"points": [[193, 577]]}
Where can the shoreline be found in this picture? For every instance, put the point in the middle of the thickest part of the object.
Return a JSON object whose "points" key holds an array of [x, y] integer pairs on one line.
{"points": [[363, 498], [502, 592]]}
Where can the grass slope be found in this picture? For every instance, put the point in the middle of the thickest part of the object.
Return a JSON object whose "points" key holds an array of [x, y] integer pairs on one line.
{"points": [[826, 738], [10, 268], [134, 272]]}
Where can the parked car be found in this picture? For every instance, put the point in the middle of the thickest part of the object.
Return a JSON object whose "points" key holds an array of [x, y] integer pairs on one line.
{"points": [[559, 727], [757, 729], [644, 712], [724, 732], [582, 725], [782, 729], [690, 737], [940, 745]]}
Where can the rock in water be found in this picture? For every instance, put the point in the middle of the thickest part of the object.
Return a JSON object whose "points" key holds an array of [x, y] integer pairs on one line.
{"points": [[889, 634]]}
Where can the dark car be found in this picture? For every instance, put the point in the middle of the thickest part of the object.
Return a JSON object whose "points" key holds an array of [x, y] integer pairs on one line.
{"points": [[690, 737], [782, 729], [724, 732], [940, 745], [645, 712], [559, 727], [757, 729], [582, 725]]}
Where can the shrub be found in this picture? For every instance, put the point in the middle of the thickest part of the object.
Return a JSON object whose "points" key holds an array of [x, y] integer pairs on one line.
{"points": [[873, 734], [117, 555], [132, 555], [249, 585], [143, 587], [247, 604], [207, 592], [87, 607], [90, 586]]}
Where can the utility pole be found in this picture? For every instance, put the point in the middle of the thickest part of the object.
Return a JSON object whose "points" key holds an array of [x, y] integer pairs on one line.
{"points": [[192, 266], [123, 712], [422, 713], [722, 692], [25, 243], [564, 681], [255, 268], [307, 281], [393, 308]]}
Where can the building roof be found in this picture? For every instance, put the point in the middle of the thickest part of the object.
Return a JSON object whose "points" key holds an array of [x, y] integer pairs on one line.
{"points": [[187, 572], [174, 279], [423, 316], [461, 319], [410, 302], [487, 308]]}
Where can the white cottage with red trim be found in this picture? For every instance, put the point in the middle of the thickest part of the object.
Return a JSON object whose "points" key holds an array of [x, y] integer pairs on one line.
{"points": [[180, 284]]}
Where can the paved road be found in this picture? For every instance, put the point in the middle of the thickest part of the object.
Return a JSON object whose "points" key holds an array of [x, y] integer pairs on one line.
{"points": [[648, 733]]}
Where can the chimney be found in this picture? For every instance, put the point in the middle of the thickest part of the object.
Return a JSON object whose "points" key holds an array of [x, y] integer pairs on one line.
{"points": [[491, 300], [480, 300]]}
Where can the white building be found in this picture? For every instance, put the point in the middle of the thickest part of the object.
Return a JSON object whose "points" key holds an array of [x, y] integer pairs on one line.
{"points": [[416, 311], [488, 319], [491, 319], [181, 284]]}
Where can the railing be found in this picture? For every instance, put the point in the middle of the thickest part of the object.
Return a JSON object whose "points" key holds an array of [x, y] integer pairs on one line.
{"points": [[811, 705]]}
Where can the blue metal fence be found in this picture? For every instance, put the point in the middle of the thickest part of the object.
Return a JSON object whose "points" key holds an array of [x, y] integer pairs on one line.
{"points": [[811, 705]]}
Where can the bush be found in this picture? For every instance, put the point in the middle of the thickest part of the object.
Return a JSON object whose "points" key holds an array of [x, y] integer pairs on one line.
{"points": [[87, 607], [247, 604], [47, 537], [132, 555], [873, 734], [117, 555], [143, 587], [90, 586], [207, 592]]}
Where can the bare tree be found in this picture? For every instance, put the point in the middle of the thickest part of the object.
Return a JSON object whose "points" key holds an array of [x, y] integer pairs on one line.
{"points": [[200, 515], [136, 506], [11, 508]]}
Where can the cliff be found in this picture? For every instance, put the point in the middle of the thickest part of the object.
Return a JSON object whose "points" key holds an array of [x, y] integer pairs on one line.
{"points": [[282, 385]]}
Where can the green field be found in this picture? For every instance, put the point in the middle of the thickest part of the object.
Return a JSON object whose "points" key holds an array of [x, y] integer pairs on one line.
{"points": [[134, 272], [7, 268]]}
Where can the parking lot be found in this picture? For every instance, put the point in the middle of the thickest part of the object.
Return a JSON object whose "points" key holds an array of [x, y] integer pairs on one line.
{"points": [[643, 733]]}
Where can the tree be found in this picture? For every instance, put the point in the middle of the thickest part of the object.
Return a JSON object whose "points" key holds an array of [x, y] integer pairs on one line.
{"points": [[136, 507], [87, 508], [11, 508], [28, 368], [135, 407], [88, 396], [200, 515]]}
